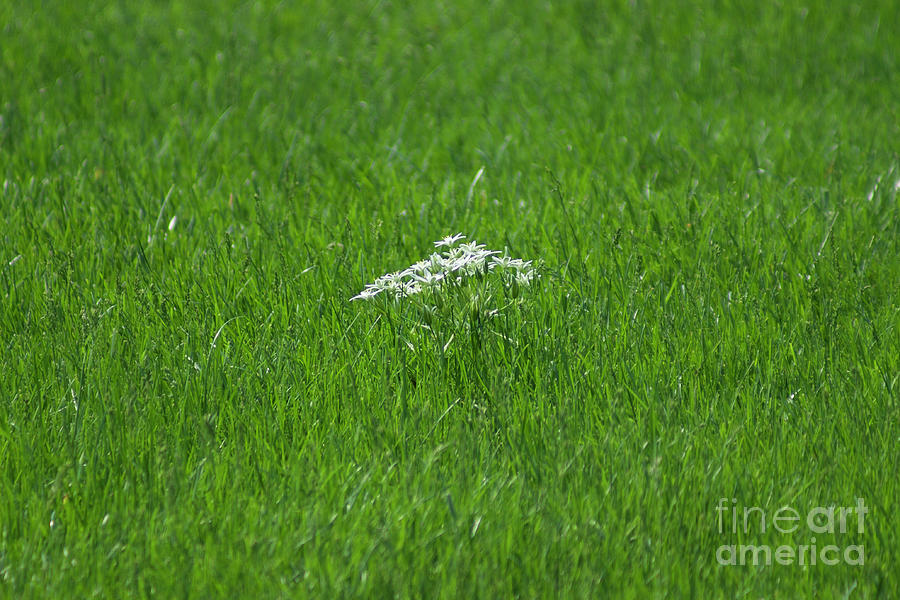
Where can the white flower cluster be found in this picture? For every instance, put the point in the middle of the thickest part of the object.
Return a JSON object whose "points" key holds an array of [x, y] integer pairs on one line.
{"points": [[451, 268]]}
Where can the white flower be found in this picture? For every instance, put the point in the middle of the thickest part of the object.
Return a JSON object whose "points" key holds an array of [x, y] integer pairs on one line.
{"points": [[389, 280], [449, 240], [410, 288], [524, 277], [428, 279], [367, 294], [472, 247], [459, 263], [504, 262], [419, 267], [455, 266], [437, 263]]}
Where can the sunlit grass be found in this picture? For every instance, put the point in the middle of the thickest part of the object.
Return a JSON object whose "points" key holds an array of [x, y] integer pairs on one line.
{"points": [[191, 194]]}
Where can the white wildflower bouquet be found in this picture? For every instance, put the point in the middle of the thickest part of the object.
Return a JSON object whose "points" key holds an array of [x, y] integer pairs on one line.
{"points": [[462, 285]]}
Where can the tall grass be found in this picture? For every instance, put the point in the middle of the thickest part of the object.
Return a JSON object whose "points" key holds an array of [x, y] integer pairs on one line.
{"points": [[190, 405]]}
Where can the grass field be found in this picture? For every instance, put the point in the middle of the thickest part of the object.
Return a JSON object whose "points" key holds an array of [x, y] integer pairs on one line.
{"points": [[191, 407]]}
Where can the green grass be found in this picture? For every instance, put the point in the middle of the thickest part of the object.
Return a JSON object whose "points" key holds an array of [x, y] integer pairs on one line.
{"points": [[202, 413]]}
